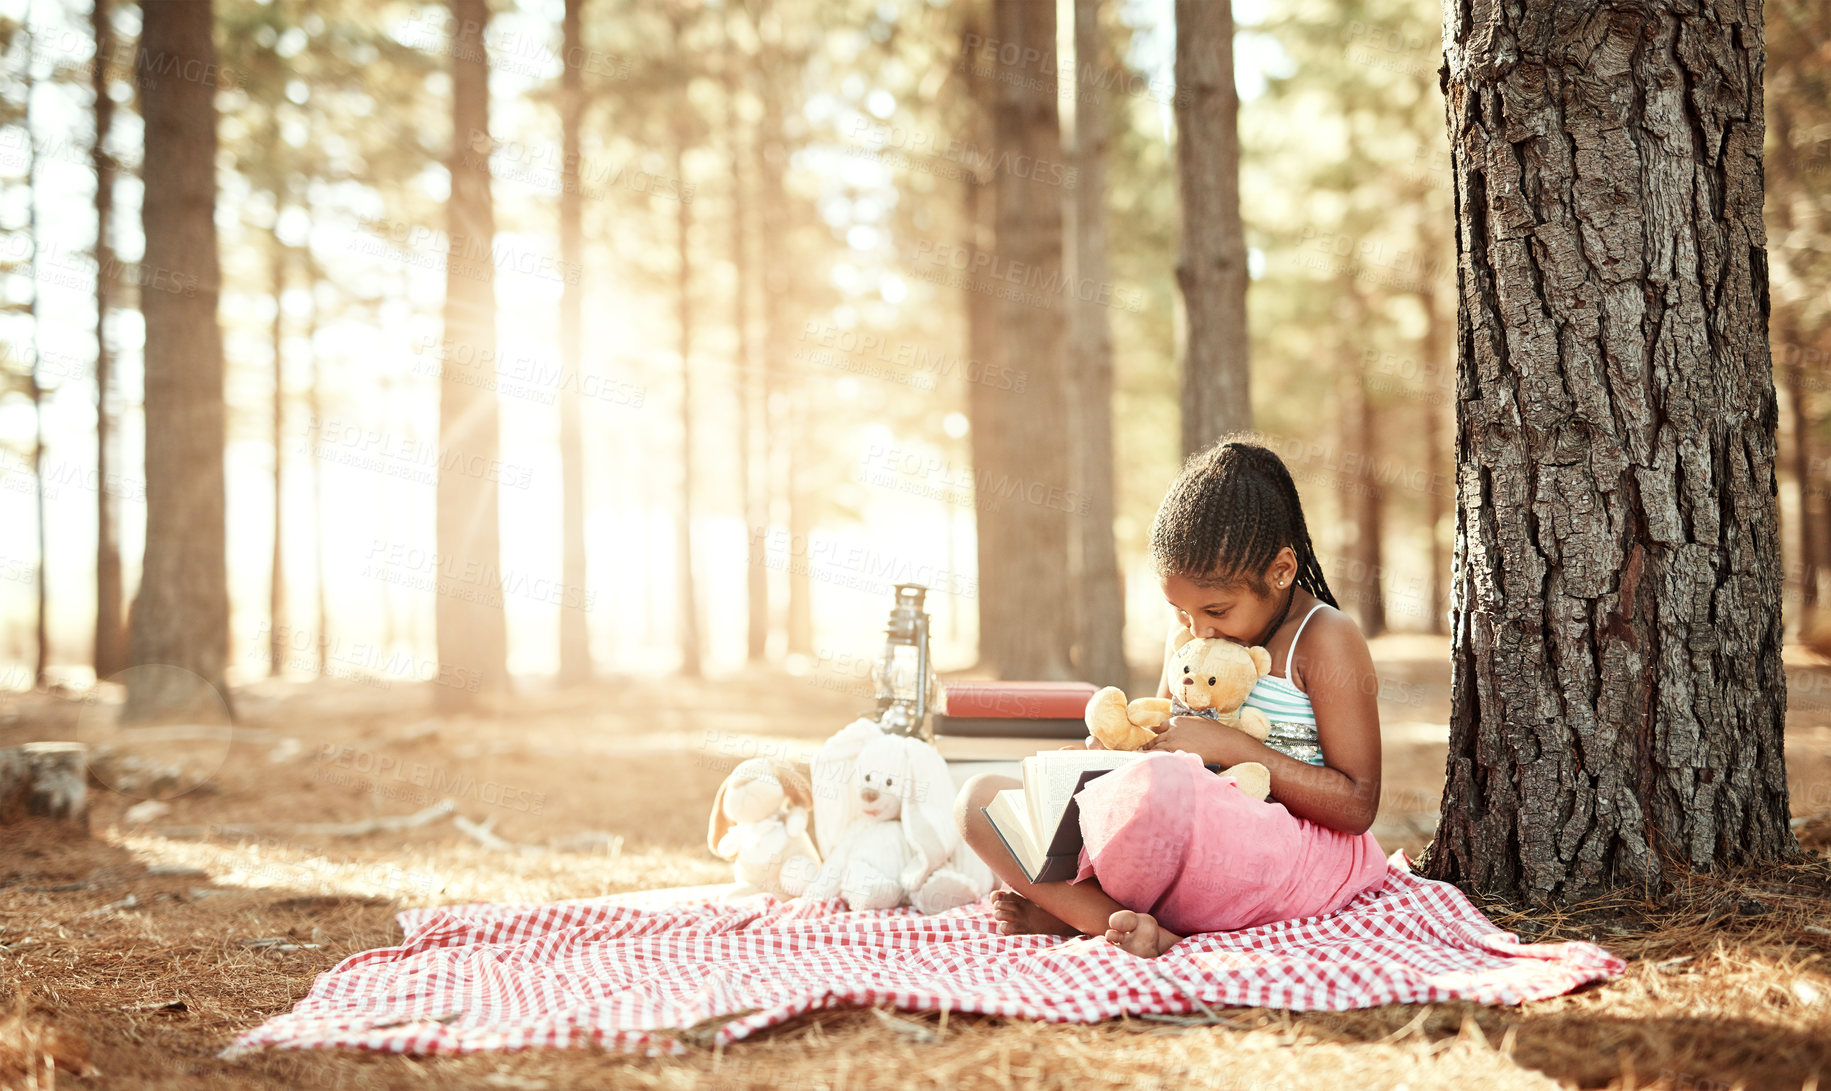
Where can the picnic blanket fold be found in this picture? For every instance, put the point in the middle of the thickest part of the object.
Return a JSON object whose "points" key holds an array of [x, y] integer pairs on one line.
{"points": [[643, 974]]}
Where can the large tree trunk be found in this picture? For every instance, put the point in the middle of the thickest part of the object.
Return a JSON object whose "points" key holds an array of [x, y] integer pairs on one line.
{"points": [[574, 637], [472, 634], [1618, 698], [181, 616], [110, 648], [1217, 376], [755, 492], [1100, 595], [1023, 479]]}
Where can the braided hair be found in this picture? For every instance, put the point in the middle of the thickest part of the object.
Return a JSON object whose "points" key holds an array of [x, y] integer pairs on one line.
{"points": [[1229, 512]]}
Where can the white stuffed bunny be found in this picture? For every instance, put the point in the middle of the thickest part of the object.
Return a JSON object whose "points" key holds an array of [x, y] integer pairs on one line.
{"points": [[883, 812], [759, 822]]}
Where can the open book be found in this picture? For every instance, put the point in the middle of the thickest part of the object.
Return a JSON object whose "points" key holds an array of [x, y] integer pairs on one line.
{"points": [[1040, 822]]}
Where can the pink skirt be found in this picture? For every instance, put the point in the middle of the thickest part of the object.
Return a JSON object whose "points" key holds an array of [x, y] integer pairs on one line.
{"points": [[1167, 837]]}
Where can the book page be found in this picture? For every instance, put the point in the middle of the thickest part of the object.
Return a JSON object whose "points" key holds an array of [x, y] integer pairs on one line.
{"points": [[1050, 778], [1008, 814]]}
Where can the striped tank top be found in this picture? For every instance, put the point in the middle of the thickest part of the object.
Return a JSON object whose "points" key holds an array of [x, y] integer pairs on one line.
{"points": [[1293, 721]]}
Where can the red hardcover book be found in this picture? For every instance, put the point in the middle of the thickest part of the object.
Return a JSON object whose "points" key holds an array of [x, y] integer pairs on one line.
{"points": [[1016, 700]]}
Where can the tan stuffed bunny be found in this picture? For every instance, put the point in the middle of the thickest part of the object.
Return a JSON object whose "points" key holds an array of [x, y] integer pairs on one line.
{"points": [[1210, 678], [760, 823]]}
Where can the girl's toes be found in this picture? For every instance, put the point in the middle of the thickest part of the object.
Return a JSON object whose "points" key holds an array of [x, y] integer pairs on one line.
{"points": [[1122, 921]]}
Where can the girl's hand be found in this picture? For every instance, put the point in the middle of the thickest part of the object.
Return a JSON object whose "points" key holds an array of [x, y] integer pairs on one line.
{"points": [[1218, 744]]}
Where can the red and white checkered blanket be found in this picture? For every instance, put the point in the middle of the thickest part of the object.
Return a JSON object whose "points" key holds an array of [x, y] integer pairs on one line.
{"points": [[629, 972]]}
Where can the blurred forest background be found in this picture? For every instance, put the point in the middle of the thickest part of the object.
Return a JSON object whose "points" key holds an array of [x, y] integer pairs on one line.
{"points": [[739, 271]]}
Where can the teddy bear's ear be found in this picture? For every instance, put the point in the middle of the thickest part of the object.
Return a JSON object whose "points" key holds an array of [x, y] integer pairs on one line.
{"points": [[1183, 636], [1261, 659]]}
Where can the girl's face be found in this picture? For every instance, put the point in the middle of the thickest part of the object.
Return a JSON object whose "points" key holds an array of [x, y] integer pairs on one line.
{"points": [[1235, 613]]}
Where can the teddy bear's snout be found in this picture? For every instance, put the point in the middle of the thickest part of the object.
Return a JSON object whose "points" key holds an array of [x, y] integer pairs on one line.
{"points": [[869, 795]]}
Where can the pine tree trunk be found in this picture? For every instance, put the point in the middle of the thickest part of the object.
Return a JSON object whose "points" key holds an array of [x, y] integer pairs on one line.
{"points": [[978, 219], [471, 628], [1216, 380], [1100, 594], [1807, 566], [42, 640], [574, 637], [1027, 467], [276, 584], [315, 407], [1618, 699], [755, 498], [1438, 386], [688, 603], [181, 616], [778, 414], [1780, 215], [110, 650]]}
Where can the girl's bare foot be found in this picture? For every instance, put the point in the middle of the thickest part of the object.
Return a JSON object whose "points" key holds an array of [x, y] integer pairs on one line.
{"points": [[1019, 916], [1139, 933]]}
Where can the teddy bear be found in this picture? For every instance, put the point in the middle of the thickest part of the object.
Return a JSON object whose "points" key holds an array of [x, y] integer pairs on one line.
{"points": [[883, 810], [760, 823], [1209, 678]]}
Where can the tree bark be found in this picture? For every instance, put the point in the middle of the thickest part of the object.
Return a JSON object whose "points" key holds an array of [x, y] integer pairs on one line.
{"points": [[1100, 594], [468, 612], [1217, 374], [1618, 700], [181, 616], [1025, 441], [574, 636], [110, 645]]}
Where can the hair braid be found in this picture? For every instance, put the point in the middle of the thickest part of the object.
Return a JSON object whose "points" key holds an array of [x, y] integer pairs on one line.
{"points": [[1229, 512]]}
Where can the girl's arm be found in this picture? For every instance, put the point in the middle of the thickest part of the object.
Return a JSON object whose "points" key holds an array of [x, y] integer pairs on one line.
{"points": [[1336, 670]]}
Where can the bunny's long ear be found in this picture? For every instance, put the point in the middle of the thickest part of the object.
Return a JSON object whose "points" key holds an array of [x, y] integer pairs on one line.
{"points": [[797, 784], [715, 829], [928, 812], [836, 804]]}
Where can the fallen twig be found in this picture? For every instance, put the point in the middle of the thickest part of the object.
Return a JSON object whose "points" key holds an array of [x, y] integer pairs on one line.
{"points": [[482, 833], [383, 824]]}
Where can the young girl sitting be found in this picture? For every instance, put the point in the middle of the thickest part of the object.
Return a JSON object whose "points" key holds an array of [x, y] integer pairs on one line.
{"points": [[1171, 848]]}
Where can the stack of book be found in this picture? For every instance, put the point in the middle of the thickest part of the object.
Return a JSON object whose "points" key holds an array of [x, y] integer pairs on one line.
{"points": [[989, 725]]}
